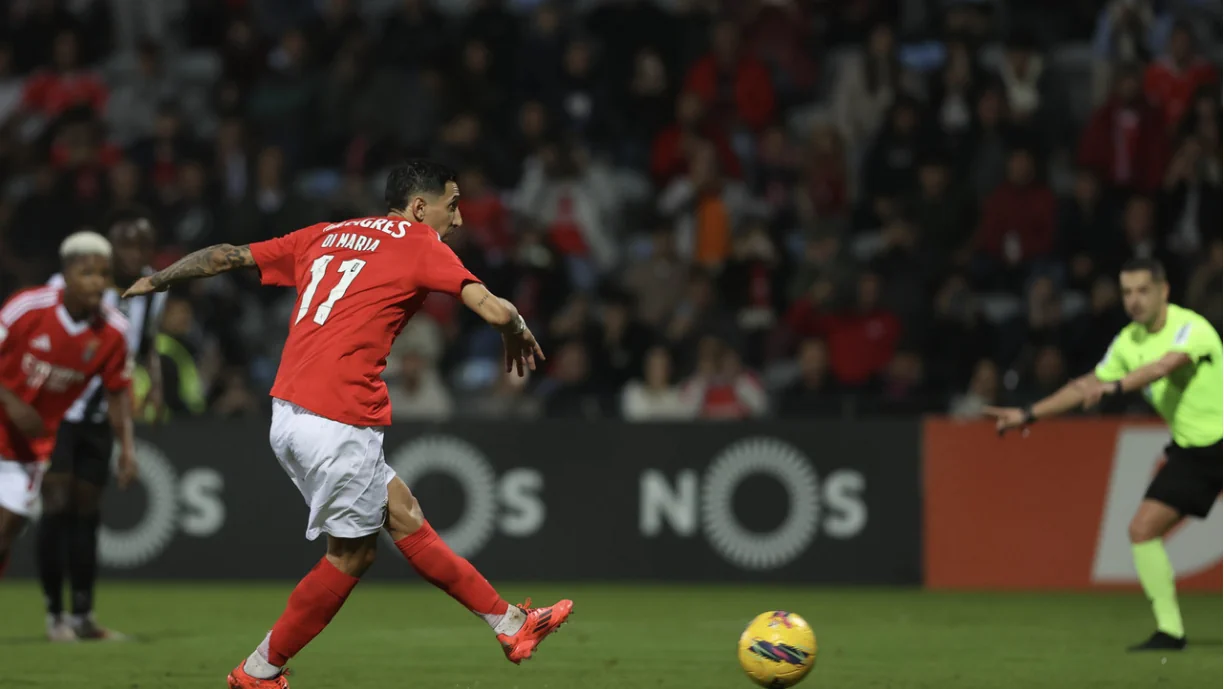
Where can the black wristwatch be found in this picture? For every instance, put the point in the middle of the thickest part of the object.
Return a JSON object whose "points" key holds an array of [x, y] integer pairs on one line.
{"points": [[1029, 418]]}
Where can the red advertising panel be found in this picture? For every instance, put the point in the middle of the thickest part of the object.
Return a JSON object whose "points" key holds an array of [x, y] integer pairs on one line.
{"points": [[1049, 510]]}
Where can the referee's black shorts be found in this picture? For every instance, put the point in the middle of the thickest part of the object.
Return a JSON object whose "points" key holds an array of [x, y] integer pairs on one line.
{"points": [[83, 450], [1190, 480]]}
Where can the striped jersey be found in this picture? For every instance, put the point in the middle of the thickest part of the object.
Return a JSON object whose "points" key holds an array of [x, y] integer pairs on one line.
{"points": [[144, 320]]}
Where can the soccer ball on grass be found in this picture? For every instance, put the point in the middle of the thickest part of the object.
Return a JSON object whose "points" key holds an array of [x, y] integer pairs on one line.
{"points": [[777, 649]]}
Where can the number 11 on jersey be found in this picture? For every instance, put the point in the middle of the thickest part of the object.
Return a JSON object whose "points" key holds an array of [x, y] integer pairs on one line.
{"points": [[348, 270]]}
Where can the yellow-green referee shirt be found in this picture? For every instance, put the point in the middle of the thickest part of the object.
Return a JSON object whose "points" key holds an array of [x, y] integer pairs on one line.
{"points": [[1191, 399]]}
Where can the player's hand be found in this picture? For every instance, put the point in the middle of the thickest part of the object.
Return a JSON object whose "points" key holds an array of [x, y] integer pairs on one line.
{"points": [[126, 472], [25, 418], [522, 350], [143, 286], [1006, 418], [1093, 391]]}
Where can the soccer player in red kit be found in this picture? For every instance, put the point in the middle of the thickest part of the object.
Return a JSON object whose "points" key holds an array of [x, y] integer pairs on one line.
{"points": [[358, 283], [52, 342]]}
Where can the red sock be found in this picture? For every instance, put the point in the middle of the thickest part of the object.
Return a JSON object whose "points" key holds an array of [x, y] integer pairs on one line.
{"points": [[440, 566], [313, 603]]}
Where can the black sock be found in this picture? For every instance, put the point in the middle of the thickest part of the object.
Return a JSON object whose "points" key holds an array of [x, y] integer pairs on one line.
{"points": [[52, 541], [83, 562]]}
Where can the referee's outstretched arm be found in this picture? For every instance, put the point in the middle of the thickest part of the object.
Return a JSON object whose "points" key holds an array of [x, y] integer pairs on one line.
{"points": [[1086, 392]]}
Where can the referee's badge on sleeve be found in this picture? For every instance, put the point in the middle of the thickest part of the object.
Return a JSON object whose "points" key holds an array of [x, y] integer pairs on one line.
{"points": [[1182, 336]]}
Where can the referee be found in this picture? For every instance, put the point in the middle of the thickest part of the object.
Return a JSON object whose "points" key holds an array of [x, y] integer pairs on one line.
{"points": [[1173, 355], [80, 463]]}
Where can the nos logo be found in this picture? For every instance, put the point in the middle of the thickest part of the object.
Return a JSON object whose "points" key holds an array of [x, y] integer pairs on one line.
{"points": [[191, 503], [835, 503], [516, 492]]}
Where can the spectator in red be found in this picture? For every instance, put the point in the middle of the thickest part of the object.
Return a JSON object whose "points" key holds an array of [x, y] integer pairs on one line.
{"points": [[863, 339], [1125, 142], [753, 286], [733, 84], [51, 92], [825, 201], [486, 220], [721, 388], [1171, 81], [780, 34], [1018, 220], [83, 158], [669, 154]]}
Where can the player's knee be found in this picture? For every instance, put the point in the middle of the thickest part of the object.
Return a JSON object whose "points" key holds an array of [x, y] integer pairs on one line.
{"points": [[55, 497], [86, 500], [1141, 530], [404, 514], [357, 562], [353, 557]]}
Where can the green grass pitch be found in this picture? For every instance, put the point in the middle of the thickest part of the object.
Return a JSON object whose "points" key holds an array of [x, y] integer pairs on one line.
{"points": [[621, 637]]}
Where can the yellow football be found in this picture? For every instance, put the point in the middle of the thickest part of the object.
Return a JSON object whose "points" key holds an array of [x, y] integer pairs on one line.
{"points": [[777, 649]]}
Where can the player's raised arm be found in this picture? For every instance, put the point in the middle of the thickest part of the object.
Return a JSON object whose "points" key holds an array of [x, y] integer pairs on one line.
{"points": [[209, 261], [521, 346]]}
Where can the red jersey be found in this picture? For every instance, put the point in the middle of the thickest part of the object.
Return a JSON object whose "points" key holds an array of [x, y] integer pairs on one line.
{"points": [[47, 359], [358, 283]]}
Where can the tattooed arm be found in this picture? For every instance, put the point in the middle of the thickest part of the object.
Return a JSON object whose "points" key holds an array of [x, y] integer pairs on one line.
{"points": [[213, 260]]}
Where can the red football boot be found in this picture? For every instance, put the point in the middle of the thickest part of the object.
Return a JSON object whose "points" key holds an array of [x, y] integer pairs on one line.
{"points": [[239, 679], [540, 623]]}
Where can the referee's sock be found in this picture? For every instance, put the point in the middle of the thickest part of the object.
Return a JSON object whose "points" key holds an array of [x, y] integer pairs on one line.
{"points": [[1156, 575]]}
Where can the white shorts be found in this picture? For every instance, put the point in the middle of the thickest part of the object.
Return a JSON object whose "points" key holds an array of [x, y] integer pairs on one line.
{"points": [[19, 485], [338, 468]]}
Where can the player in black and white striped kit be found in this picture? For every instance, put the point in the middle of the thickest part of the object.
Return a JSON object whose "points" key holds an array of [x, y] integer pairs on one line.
{"points": [[80, 464]]}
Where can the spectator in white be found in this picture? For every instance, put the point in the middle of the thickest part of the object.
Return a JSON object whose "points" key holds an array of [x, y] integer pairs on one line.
{"points": [[867, 83], [136, 18], [1124, 34], [132, 107], [721, 389], [417, 390], [1021, 71], [654, 397], [1034, 98], [983, 391], [706, 207], [574, 199]]}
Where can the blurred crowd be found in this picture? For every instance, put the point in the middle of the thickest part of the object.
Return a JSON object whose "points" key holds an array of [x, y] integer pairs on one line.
{"points": [[705, 209]]}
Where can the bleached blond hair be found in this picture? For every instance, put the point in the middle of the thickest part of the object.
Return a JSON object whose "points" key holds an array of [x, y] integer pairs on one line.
{"points": [[85, 243]]}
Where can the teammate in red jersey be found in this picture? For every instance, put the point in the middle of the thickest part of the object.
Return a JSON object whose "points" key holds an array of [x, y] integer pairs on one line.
{"points": [[52, 342], [358, 283]]}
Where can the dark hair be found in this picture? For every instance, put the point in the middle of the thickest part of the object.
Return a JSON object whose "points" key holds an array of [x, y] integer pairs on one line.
{"points": [[416, 177], [1151, 265], [135, 216]]}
